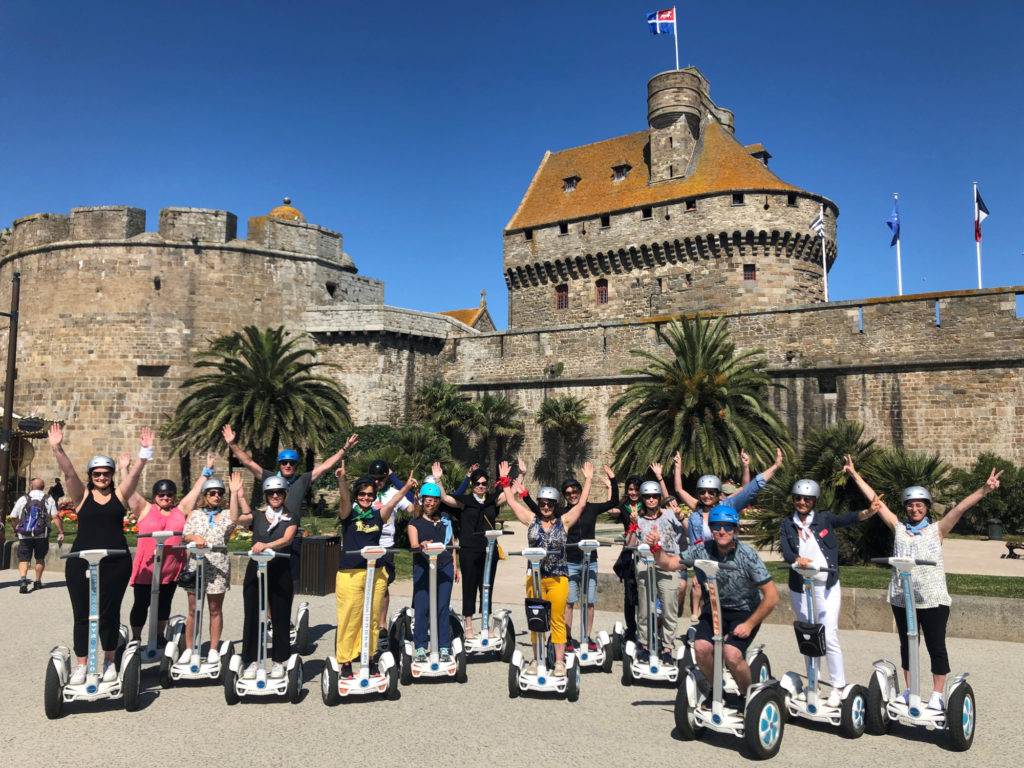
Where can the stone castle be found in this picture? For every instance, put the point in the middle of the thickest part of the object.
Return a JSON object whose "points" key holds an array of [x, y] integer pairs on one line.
{"points": [[610, 240]]}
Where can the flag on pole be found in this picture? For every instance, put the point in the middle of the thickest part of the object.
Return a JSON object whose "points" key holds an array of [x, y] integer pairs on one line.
{"points": [[662, 22], [980, 214], [894, 223], [818, 225]]}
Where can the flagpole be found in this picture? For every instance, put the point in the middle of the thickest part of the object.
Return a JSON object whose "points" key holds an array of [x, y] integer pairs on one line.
{"points": [[675, 32], [977, 240], [899, 263], [824, 265]]}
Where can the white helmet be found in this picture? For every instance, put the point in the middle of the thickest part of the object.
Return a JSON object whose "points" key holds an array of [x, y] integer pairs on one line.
{"points": [[917, 493], [275, 483], [212, 484], [96, 462], [709, 482], [650, 488], [548, 493], [806, 487]]}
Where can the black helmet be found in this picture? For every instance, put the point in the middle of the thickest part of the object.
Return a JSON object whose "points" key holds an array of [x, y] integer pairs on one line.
{"points": [[165, 486], [477, 474], [364, 480], [634, 480], [571, 482], [378, 468]]}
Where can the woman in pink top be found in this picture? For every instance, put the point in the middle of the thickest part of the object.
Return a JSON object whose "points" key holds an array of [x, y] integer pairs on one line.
{"points": [[159, 515]]}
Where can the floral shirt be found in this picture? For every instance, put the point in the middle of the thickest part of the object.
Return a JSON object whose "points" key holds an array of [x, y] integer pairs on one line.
{"points": [[553, 540]]}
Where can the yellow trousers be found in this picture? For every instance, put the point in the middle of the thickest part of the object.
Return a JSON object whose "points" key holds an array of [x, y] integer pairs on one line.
{"points": [[556, 590], [348, 590]]}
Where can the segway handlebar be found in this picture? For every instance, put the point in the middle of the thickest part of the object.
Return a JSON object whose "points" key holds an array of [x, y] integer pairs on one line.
{"points": [[895, 562], [193, 548], [588, 543], [811, 568], [160, 534], [266, 553], [376, 551], [101, 553]]}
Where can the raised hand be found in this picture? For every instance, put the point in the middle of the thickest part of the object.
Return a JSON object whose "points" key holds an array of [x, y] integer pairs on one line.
{"points": [[229, 434], [609, 472], [522, 465], [518, 487], [351, 442], [124, 462], [235, 482], [146, 437], [55, 436], [993, 480], [340, 472], [656, 469], [848, 467], [677, 459], [437, 470], [588, 470], [472, 468], [210, 460], [503, 469], [744, 458]]}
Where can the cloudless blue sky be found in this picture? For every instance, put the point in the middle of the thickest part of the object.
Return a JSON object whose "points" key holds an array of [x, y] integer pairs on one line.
{"points": [[414, 128]]}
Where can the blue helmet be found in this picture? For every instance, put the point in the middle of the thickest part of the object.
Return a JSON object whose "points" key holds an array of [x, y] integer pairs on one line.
{"points": [[723, 514], [288, 455], [430, 489]]}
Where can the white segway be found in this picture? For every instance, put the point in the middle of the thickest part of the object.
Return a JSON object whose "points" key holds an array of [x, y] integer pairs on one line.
{"points": [[155, 646], [885, 704], [58, 690], [602, 657], [333, 687], [803, 696], [761, 721], [298, 630], [497, 632], [538, 621], [409, 668], [651, 668], [178, 663], [236, 686]]}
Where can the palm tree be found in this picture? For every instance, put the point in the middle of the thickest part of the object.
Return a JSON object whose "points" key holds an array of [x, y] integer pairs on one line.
{"points": [[267, 387], [443, 406], [494, 420], [564, 421], [705, 400]]}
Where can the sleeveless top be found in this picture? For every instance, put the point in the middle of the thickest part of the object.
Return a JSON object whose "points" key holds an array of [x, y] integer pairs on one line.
{"points": [[360, 529], [145, 549], [927, 581], [553, 540], [100, 526]]}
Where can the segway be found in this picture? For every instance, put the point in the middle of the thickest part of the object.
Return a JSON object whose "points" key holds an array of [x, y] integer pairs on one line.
{"points": [[298, 630], [179, 663], [761, 721], [154, 647], [538, 620], [333, 687], [409, 668], [58, 690], [502, 640], [237, 687], [651, 669], [886, 705], [803, 697], [602, 657]]}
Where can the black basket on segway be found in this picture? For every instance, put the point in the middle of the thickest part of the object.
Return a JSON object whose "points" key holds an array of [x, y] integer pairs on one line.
{"points": [[810, 637], [538, 614]]}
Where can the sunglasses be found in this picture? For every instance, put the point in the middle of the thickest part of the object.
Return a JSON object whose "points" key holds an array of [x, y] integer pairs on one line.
{"points": [[213, 492], [723, 527], [287, 463], [102, 474], [545, 503], [480, 484], [365, 495], [164, 495], [272, 493], [707, 492], [808, 499]]}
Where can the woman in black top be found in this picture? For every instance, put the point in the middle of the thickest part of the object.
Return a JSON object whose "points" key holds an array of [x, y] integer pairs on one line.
{"points": [[101, 510]]}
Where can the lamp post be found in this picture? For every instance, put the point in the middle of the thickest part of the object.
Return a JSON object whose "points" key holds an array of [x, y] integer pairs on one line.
{"points": [[5, 430]]}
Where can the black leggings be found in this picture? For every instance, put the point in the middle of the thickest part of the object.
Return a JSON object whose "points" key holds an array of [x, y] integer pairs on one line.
{"points": [[279, 599], [471, 563], [140, 608], [931, 622], [629, 602], [115, 572]]}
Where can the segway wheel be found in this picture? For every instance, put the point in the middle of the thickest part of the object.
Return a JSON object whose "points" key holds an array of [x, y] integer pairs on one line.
{"points": [[572, 683], [224, 659], [763, 724], [760, 668], [122, 641], [329, 684], [508, 642], [302, 634], [230, 687], [853, 716], [130, 683], [456, 629], [166, 681], [877, 716], [616, 647], [686, 722], [405, 660], [513, 681], [294, 690], [606, 665], [391, 694], [460, 668], [627, 669], [53, 696], [960, 717]]}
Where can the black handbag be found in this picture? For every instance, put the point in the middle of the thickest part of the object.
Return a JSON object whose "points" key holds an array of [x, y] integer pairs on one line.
{"points": [[623, 564], [538, 614], [187, 579], [810, 637]]}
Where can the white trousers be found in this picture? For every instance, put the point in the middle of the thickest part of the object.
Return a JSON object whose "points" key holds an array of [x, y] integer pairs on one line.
{"points": [[826, 602]]}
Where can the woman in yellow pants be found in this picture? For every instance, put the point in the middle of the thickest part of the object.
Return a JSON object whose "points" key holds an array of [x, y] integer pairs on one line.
{"points": [[361, 524], [547, 529]]}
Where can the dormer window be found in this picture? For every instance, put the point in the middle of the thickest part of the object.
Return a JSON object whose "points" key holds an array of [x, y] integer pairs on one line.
{"points": [[569, 183], [619, 172]]}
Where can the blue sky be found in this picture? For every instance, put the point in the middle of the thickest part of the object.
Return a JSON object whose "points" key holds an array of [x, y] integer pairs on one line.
{"points": [[415, 128]]}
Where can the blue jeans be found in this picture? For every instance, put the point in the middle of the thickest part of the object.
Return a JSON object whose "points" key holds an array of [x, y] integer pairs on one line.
{"points": [[421, 605], [576, 583]]}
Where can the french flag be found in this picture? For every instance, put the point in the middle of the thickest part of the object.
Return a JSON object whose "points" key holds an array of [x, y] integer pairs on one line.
{"points": [[980, 213], [662, 22]]}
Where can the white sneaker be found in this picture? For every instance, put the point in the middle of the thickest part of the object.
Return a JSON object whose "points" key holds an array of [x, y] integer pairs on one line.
{"points": [[78, 676], [277, 671], [109, 672], [836, 697], [212, 657], [936, 702], [905, 696], [250, 672]]}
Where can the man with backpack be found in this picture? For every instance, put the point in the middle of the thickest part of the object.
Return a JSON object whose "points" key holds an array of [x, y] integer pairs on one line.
{"points": [[31, 519]]}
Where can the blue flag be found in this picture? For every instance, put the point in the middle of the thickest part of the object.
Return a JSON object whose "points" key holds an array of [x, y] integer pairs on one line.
{"points": [[662, 22], [894, 223]]}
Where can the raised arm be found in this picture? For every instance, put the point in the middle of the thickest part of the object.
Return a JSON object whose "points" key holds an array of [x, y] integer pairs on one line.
{"points": [[345, 505], [389, 506], [131, 480], [656, 469], [189, 500], [76, 490], [952, 517], [573, 514], [523, 514], [239, 453], [239, 516], [883, 511], [677, 471], [438, 472], [137, 504], [329, 462], [745, 462]]}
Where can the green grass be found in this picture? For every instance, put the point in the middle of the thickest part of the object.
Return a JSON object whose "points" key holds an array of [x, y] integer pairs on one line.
{"points": [[875, 577]]}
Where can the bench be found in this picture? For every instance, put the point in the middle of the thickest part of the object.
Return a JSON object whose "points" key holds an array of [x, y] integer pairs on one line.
{"points": [[1012, 547]]}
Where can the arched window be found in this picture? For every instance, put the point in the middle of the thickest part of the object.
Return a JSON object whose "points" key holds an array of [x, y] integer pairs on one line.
{"points": [[562, 297], [602, 291]]}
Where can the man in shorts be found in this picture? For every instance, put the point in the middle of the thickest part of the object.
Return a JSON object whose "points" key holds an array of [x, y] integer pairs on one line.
{"points": [[746, 593], [37, 546]]}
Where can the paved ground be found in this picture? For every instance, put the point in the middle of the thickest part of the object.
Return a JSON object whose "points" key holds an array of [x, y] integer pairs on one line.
{"points": [[440, 723]]}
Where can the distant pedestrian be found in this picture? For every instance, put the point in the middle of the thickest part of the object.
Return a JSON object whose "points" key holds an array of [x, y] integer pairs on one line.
{"points": [[31, 518], [56, 491]]}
